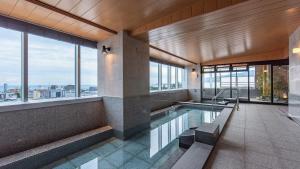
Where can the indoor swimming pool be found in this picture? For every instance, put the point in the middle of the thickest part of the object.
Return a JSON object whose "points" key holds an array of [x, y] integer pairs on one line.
{"points": [[153, 148]]}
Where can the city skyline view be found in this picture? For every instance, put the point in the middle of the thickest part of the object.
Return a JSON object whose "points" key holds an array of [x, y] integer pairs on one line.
{"points": [[58, 59], [51, 67]]}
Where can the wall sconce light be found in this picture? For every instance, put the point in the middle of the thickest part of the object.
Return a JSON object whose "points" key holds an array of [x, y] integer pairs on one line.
{"points": [[105, 50], [296, 50], [194, 71]]}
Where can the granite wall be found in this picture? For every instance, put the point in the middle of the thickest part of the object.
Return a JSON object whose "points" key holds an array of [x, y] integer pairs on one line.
{"points": [[163, 99], [24, 129], [124, 84], [194, 82], [294, 78]]}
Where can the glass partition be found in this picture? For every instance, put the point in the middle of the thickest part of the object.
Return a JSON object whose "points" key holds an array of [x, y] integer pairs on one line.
{"points": [[280, 84], [260, 83]]}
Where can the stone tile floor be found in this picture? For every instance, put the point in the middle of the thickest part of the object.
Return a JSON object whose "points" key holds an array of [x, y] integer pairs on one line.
{"points": [[258, 137]]}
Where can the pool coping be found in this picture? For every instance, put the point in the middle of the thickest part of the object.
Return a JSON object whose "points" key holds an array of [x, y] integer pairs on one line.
{"points": [[197, 147]]}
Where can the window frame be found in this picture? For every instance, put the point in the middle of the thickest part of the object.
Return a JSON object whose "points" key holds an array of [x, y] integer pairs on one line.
{"points": [[169, 66], [25, 83], [244, 67]]}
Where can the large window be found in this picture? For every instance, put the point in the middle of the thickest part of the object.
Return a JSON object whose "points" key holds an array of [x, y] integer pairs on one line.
{"points": [[10, 65], [259, 82], [208, 90], [180, 78], [223, 83], [88, 71], [154, 76], [173, 78], [51, 68], [239, 83], [165, 77]]}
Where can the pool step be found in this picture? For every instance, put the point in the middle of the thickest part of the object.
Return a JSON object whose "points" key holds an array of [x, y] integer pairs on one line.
{"points": [[187, 138], [194, 157], [207, 133]]}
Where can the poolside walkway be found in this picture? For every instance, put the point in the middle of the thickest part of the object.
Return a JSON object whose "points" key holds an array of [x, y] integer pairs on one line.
{"points": [[258, 137]]}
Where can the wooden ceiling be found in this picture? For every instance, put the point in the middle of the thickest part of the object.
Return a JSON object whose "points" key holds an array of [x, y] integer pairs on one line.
{"points": [[115, 14], [197, 30], [248, 28]]}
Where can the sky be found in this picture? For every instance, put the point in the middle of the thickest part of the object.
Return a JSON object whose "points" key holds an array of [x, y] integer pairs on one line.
{"points": [[50, 61]]}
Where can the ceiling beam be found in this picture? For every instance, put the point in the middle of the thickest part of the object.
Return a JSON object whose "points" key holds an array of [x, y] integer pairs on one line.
{"points": [[68, 14], [166, 52], [200, 7], [267, 56]]}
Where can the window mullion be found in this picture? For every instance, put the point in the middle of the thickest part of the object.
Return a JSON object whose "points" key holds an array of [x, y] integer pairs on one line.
{"points": [[77, 70], [24, 67]]}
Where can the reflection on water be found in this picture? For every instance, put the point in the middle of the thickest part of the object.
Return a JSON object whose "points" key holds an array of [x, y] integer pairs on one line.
{"points": [[165, 133], [148, 149]]}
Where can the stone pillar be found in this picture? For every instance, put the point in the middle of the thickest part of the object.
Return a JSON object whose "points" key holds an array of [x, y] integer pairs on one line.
{"points": [[124, 84], [194, 82], [294, 78]]}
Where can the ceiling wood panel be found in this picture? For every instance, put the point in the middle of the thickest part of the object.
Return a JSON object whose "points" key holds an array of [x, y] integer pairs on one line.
{"points": [[7, 6], [244, 29], [198, 30]]}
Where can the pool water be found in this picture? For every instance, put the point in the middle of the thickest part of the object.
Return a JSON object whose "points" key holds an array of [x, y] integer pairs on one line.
{"points": [[153, 148]]}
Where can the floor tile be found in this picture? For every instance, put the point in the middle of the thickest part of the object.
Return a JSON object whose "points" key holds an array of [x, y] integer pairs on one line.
{"points": [[134, 148], [103, 164], [119, 158], [136, 163], [105, 149], [82, 158]]}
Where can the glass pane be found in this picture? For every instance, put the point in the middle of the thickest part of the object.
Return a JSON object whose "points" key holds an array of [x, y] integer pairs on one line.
{"points": [[165, 77], [208, 85], [88, 71], [240, 82], [223, 83], [180, 77], [280, 83], [51, 68], [221, 68], [238, 67], [208, 68], [173, 78], [10, 65], [154, 76], [260, 83]]}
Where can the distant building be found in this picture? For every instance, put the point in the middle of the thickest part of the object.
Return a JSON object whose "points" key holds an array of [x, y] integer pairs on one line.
{"points": [[5, 87], [40, 94]]}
